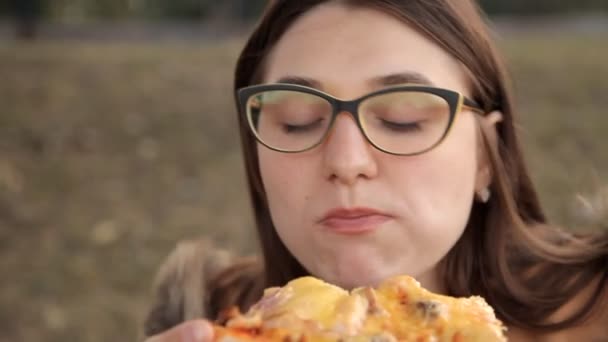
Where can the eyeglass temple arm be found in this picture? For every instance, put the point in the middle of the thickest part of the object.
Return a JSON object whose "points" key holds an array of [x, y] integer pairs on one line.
{"points": [[472, 106]]}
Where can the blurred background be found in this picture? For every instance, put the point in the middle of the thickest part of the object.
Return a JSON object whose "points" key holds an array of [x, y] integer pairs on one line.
{"points": [[118, 139]]}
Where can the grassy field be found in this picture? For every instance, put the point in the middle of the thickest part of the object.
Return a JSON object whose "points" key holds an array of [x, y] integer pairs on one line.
{"points": [[111, 153]]}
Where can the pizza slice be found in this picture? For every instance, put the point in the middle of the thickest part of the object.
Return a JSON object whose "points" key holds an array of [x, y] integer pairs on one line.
{"points": [[310, 310]]}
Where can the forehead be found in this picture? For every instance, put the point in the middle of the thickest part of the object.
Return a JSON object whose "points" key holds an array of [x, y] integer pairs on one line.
{"points": [[345, 47]]}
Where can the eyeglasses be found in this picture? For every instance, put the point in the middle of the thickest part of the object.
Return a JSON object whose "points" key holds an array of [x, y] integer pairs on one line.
{"points": [[401, 120]]}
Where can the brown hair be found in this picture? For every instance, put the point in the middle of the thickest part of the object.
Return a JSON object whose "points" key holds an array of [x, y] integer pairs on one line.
{"points": [[508, 253]]}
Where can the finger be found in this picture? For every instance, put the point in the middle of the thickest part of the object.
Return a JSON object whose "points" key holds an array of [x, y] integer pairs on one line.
{"points": [[190, 331]]}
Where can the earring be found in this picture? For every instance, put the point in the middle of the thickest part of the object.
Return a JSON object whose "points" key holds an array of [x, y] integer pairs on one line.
{"points": [[484, 195]]}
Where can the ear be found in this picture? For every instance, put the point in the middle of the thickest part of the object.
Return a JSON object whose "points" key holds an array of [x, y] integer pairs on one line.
{"points": [[488, 124]]}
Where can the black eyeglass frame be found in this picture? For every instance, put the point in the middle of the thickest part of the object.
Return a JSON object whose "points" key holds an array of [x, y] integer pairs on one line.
{"points": [[455, 100]]}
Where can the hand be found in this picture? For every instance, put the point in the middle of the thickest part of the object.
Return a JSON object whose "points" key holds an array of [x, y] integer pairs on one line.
{"points": [[190, 331]]}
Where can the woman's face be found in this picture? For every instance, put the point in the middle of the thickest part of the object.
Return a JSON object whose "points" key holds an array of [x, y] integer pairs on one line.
{"points": [[349, 213]]}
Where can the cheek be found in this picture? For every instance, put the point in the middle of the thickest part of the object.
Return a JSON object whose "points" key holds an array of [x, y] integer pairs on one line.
{"points": [[456, 158], [286, 180], [277, 177], [438, 186]]}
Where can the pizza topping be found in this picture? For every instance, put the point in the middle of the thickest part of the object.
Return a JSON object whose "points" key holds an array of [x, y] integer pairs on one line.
{"points": [[430, 310], [310, 310], [295, 338], [228, 338], [295, 323], [374, 307], [272, 298], [350, 314], [383, 337], [250, 321], [307, 298]]}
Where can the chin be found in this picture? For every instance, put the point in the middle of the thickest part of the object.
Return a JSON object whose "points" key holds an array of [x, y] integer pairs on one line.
{"points": [[351, 269], [353, 280]]}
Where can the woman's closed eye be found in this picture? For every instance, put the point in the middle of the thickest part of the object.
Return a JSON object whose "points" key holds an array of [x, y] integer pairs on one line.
{"points": [[303, 128], [401, 127]]}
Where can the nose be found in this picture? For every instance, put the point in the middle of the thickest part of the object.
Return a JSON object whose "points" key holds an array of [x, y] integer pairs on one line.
{"points": [[348, 156]]}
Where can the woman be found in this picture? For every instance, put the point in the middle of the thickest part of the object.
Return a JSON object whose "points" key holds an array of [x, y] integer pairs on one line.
{"points": [[379, 139]]}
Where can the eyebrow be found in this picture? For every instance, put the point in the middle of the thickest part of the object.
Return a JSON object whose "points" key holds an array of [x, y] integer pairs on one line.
{"points": [[303, 81], [407, 77]]}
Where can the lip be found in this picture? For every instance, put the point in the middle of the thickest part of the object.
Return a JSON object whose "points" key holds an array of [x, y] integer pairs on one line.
{"points": [[353, 221]]}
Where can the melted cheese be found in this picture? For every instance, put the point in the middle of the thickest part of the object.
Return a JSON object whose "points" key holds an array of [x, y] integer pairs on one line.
{"points": [[398, 310], [305, 299], [415, 313]]}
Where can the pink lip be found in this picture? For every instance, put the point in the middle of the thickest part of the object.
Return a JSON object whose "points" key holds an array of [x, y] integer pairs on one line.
{"points": [[354, 220]]}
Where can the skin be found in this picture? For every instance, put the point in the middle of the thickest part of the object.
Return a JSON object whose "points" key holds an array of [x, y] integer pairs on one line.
{"points": [[428, 196]]}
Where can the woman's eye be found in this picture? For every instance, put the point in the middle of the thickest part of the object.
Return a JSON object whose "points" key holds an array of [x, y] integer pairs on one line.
{"points": [[290, 128], [404, 127]]}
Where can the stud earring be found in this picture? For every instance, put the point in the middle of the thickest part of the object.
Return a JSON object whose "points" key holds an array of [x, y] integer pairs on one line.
{"points": [[484, 195]]}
